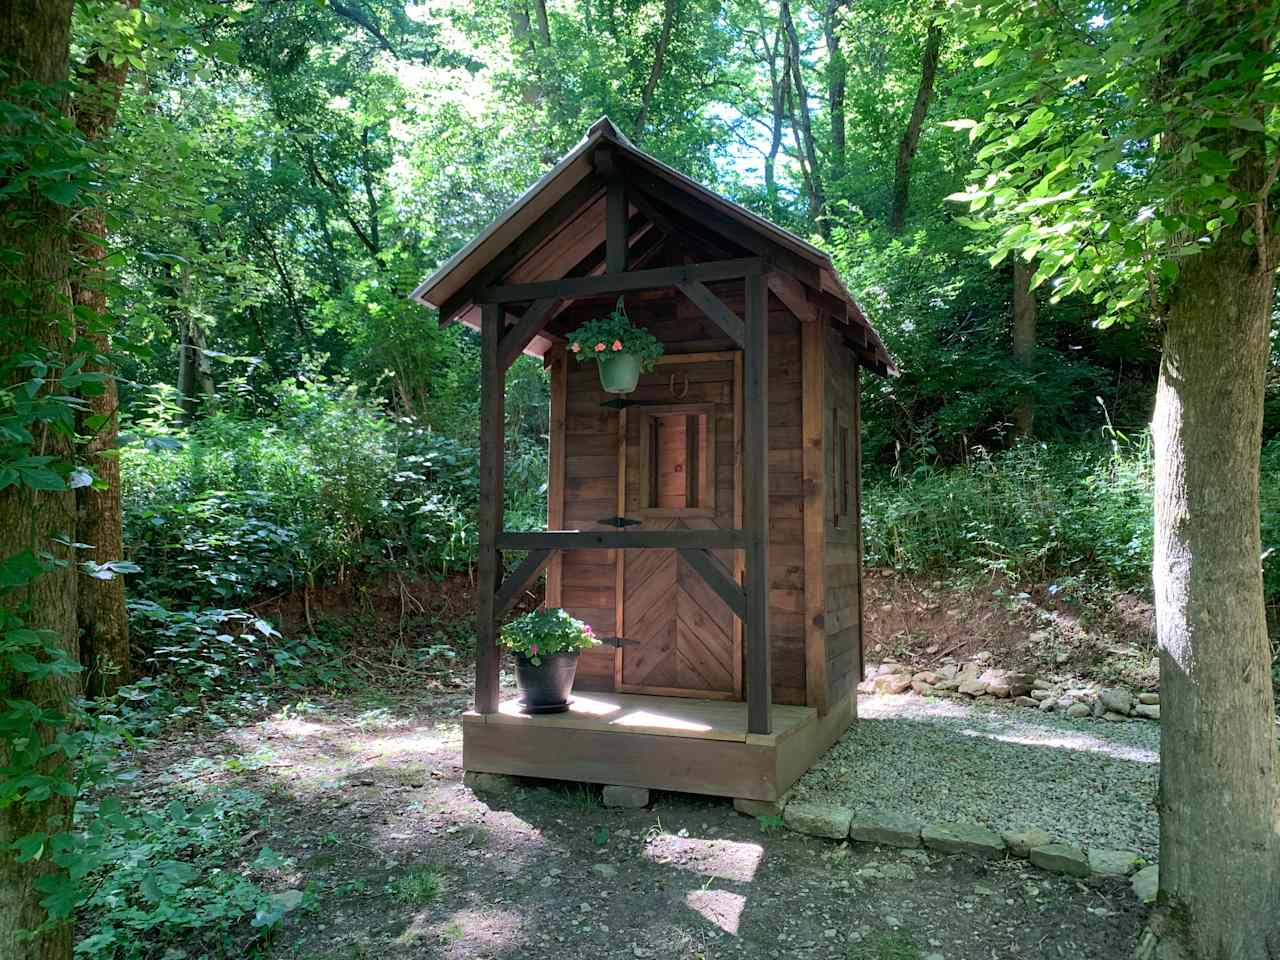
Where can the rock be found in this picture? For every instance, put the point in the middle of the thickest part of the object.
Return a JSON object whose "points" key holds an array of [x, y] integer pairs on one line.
{"points": [[982, 656], [1078, 710], [923, 689], [1048, 706], [1026, 702], [997, 684], [1041, 693], [818, 819], [1146, 882], [1062, 658], [892, 683], [1039, 684], [1149, 698], [607, 870], [631, 798], [1022, 842], [1097, 709], [1117, 700], [946, 686], [1112, 863], [926, 676], [973, 688], [949, 671], [986, 698], [761, 808], [1061, 858], [867, 686], [490, 782], [1149, 710], [1114, 717], [891, 829], [1020, 684], [970, 671], [963, 838]]}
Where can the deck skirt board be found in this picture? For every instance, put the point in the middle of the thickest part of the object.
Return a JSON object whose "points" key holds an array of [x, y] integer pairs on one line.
{"points": [[666, 743]]}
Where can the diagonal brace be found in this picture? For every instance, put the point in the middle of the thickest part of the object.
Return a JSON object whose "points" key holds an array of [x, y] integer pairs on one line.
{"points": [[715, 309], [523, 330], [520, 578], [718, 579]]}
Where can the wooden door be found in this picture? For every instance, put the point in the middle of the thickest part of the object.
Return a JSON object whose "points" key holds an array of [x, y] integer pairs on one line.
{"points": [[680, 472]]}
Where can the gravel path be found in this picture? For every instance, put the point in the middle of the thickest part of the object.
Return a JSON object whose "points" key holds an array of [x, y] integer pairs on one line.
{"points": [[1087, 782]]}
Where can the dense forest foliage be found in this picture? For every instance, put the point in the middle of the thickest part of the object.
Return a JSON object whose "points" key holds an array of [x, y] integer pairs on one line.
{"points": [[278, 175]]}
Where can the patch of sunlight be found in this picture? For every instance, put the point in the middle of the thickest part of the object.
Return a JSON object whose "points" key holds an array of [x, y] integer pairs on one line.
{"points": [[421, 740], [646, 718], [721, 907], [730, 860], [578, 704], [1063, 740], [295, 728]]}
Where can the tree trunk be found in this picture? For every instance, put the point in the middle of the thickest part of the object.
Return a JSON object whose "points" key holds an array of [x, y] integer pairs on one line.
{"points": [[802, 122], [837, 74], [1024, 342], [655, 73], [35, 39], [104, 625], [1219, 787], [911, 136]]}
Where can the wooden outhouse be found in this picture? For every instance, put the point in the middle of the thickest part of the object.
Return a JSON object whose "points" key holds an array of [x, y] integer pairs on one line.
{"points": [[707, 524]]}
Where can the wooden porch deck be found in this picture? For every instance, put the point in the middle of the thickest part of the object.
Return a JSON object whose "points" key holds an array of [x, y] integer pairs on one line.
{"points": [[667, 743]]}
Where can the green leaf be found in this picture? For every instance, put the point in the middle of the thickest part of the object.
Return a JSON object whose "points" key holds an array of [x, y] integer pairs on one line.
{"points": [[1248, 123], [62, 192]]}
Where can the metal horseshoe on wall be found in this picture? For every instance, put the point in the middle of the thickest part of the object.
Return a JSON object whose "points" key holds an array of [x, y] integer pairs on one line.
{"points": [[683, 393]]}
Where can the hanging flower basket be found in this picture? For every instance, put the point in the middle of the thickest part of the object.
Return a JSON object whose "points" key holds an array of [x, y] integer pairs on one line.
{"points": [[620, 348], [546, 644]]}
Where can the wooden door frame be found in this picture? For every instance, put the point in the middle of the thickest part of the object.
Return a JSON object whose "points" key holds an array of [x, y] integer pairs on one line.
{"points": [[739, 563]]}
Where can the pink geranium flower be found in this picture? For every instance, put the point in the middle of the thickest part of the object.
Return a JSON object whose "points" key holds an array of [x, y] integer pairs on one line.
{"points": [[576, 347], [617, 344], [599, 347]]}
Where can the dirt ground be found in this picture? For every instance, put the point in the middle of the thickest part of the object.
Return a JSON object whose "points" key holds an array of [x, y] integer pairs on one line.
{"points": [[402, 860], [1059, 628]]}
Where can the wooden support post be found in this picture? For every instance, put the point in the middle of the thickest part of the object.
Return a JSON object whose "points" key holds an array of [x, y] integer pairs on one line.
{"points": [[555, 469], [492, 390], [813, 376], [615, 226], [755, 524]]}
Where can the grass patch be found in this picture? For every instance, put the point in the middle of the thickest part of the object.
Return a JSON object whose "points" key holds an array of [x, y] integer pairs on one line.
{"points": [[894, 946], [418, 886]]}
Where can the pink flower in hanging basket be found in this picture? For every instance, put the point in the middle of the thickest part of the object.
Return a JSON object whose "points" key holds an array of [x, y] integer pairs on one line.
{"points": [[617, 344], [599, 348], [576, 347]]}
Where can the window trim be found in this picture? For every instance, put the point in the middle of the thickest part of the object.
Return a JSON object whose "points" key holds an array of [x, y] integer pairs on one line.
{"points": [[706, 480]]}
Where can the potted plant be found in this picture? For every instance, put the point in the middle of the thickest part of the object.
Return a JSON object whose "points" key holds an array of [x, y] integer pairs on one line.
{"points": [[621, 349], [546, 644]]}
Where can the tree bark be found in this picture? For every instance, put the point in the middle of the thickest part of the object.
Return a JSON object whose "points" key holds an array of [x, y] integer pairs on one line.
{"points": [[1024, 343], [655, 73], [104, 625], [1219, 787], [803, 124], [837, 74], [35, 39], [911, 136]]}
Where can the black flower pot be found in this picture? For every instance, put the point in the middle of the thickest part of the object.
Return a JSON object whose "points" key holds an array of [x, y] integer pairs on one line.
{"points": [[544, 687]]}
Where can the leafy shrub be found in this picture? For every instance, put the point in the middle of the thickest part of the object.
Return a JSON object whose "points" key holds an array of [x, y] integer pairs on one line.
{"points": [[1039, 510], [1029, 512], [540, 633], [235, 506], [161, 882]]}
